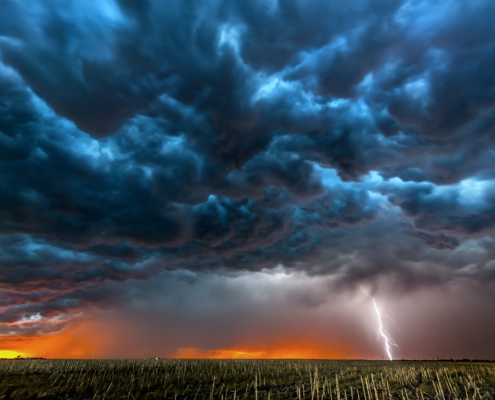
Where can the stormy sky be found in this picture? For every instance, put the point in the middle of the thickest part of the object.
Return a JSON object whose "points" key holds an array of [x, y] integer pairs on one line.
{"points": [[220, 178]]}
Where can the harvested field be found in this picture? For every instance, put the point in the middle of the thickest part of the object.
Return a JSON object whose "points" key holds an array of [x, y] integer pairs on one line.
{"points": [[245, 379]]}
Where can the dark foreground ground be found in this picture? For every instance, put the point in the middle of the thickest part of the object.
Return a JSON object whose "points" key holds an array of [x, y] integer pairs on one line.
{"points": [[246, 379]]}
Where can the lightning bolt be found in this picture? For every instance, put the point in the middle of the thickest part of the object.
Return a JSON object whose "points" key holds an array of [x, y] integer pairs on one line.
{"points": [[382, 332]]}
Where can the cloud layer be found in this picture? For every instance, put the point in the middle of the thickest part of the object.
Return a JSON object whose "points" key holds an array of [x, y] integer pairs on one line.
{"points": [[347, 141]]}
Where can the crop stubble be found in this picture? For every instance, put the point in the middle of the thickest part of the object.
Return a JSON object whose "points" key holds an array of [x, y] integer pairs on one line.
{"points": [[246, 379]]}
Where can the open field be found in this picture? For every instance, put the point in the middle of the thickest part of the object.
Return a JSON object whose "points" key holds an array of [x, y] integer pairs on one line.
{"points": [[246, 379]]}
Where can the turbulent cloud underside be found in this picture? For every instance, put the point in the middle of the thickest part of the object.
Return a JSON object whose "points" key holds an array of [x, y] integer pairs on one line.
{"points": [[352, 141]]}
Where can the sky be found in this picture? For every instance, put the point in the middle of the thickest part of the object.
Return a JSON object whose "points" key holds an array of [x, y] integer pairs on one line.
{"points": [[222, 178]]}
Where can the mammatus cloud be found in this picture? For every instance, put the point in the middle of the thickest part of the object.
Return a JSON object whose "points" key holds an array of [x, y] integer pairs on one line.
{"points": [[345, 141]]}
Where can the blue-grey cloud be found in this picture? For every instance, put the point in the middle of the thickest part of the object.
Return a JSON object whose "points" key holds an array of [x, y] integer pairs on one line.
{"points": [[135, 137]]}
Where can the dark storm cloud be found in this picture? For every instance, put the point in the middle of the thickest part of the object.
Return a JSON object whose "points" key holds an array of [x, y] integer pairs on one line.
{"points": [[465, 209], [350, 140]]}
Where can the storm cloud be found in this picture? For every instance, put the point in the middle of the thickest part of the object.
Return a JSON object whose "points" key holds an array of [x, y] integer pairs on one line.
{"points": [[347, 141]]}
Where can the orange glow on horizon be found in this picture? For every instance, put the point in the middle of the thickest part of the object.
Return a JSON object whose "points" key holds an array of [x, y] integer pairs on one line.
{"points": [[11, 354], [68, 345], [64, 345], [88, 340], [282, 351]]}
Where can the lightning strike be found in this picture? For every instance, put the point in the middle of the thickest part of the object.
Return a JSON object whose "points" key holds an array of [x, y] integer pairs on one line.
{"points": [[381, 331]]}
